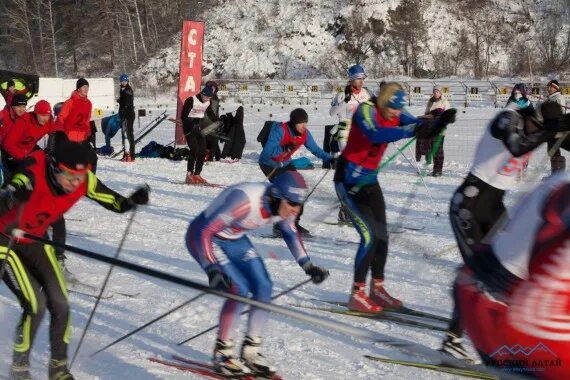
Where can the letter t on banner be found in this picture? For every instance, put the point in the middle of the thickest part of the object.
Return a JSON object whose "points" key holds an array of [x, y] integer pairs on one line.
{"points": [[190, 69]]}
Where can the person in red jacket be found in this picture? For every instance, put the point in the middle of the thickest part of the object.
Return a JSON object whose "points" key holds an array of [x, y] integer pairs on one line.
{"points": [[9, 115], [21, 137], [43, 188], [75, 115]]}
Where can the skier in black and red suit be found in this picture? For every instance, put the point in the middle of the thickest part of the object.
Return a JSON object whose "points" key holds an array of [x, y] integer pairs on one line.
{"points": [[515, 293], [41, 190], [477, 205]]}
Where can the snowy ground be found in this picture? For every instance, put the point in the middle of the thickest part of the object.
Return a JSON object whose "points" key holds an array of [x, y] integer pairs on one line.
{"points": [[420, 267]]}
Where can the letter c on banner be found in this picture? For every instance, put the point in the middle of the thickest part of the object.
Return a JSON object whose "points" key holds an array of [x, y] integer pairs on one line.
{"points": [[192, 36]]}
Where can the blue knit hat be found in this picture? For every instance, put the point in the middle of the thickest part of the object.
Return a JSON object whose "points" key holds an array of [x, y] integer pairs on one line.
{"points": [[356, 72], [397, 100]]}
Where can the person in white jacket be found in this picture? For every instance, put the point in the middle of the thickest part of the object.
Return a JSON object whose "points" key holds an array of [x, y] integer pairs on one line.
{"points": [[343, 105]]}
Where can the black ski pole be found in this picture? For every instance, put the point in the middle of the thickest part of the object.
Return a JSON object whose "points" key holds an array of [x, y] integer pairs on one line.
{"points": [[339, 327], [119, 248], [317, 184], [148, 324], [245, 311]]}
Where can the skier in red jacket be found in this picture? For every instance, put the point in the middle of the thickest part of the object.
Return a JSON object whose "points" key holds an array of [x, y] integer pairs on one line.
{"points": [[42, 189]]}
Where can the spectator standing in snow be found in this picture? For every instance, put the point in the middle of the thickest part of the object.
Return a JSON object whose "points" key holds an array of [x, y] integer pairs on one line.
{"points": [[519, 97], [557, 160], [127, 115], [193, 113], [435, 107]]}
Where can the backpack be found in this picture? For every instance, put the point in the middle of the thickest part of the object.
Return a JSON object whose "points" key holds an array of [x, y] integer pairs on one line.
{"points": [[264, 133]]}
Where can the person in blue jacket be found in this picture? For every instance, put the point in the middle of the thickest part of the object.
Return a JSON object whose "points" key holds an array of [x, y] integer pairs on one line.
{"points": [[284, 140]]}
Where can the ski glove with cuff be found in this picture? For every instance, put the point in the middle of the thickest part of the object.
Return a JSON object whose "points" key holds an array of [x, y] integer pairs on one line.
{"points": [[218, 279], [317, 274], [140, 196]]}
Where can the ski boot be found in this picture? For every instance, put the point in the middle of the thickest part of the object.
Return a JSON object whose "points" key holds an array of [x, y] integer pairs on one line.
{"points": [[199, 179], [190, 179], [256, 362], [380, 296], [226, 363], [125, 158], [20, 369], [359, 300], [58, 370], [453, 346]]}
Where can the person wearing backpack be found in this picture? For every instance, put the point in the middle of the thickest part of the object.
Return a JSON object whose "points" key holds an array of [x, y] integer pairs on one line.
{"points": [[280, 141]]}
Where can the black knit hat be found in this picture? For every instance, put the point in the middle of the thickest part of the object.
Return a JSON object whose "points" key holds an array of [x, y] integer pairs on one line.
{"points": [[298, 116], [19, 100], [70, 155], [554, 83], [80, 83]]}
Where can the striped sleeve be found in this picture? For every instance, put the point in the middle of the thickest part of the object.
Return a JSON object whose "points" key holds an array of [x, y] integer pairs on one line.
{"points": [[106, 197]]}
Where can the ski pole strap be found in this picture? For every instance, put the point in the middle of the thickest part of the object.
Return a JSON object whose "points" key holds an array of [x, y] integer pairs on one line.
{"points": [[435, 147], [356, 188]]}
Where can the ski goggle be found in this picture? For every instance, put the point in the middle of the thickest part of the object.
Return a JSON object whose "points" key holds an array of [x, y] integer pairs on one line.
{"points": [[72, 174]]}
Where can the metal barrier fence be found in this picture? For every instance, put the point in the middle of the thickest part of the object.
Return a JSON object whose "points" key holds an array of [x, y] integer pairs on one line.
{"points": [[318, 91]]}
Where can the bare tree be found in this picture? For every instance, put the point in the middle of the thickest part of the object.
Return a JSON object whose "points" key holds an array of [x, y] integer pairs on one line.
{"points": [[17, 16], [407, 33], [359, 35], [138, 14], [53, 39]]}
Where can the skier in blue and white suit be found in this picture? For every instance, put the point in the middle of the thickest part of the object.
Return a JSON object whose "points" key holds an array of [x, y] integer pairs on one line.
{"points": [[234, 266]]}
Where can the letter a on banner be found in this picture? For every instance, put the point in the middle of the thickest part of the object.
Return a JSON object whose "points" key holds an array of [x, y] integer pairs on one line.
{"points": [[190, 68]]}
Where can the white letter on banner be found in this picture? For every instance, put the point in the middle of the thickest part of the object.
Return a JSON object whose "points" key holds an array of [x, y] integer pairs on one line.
{"points": [[191, 56], [192, 36], [190, 86]]}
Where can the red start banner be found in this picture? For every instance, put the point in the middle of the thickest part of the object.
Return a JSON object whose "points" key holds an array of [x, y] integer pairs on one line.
{"points": [[190, 69]]}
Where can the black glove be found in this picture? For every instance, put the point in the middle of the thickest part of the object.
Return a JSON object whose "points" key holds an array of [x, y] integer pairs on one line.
{"points": [[347, 93], [140, 196], [317, 274], [218, 279], [447, 117]]}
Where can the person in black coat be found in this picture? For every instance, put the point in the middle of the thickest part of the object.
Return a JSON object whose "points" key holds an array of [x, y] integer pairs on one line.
{"points": [[127, 115]]}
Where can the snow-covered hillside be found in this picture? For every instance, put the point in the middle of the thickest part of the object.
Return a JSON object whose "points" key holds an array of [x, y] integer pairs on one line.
{"points": [[298, 39]]}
